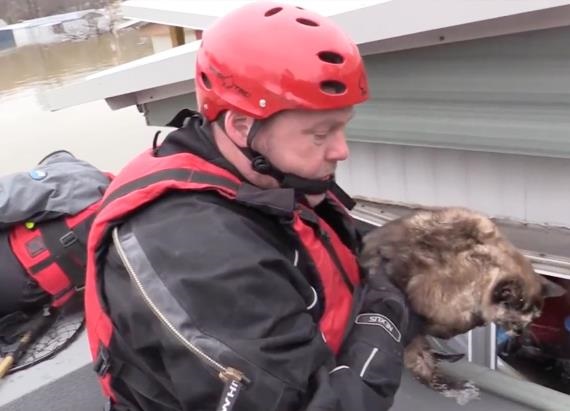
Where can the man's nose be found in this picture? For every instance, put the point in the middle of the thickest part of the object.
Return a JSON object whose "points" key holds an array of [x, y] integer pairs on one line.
{"points": [[338, 149]]}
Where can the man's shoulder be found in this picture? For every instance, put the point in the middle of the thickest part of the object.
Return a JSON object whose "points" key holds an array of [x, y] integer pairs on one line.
{"points": [[201, 214], [182, 229]]}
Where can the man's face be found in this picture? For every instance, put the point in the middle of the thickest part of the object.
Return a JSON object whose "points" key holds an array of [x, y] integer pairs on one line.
{"points": [[306, 143]]}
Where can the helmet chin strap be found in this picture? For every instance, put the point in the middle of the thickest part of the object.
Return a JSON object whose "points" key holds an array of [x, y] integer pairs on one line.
{"points": [[262, 165], [287, 180]]}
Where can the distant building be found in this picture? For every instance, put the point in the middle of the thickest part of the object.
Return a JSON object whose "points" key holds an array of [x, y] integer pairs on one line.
{"points": [[51, 29], [6, 39], [16, 11]]}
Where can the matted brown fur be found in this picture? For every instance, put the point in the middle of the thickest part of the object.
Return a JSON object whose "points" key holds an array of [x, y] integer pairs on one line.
{"points": [[458, 272]]}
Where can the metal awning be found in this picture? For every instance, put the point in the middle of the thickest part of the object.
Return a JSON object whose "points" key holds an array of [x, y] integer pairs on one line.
{"points": [[376, 26], [201, 13]]}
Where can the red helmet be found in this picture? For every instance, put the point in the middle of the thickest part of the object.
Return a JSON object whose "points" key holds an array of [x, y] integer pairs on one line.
{"points": [[266, 57]]}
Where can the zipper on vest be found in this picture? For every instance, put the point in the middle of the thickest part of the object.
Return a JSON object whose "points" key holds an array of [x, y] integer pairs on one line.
{"points": [[233, 379], [332, 253]]}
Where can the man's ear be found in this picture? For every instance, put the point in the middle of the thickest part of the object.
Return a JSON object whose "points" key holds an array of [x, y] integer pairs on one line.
{"points": [[237, 126]]}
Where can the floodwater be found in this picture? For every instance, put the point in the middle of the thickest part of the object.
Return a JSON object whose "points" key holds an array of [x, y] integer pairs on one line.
{"points": [[91, 131]]}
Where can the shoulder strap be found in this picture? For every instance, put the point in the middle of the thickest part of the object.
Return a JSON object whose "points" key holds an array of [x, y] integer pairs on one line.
{"points": [[176, 178], [66, 248]]}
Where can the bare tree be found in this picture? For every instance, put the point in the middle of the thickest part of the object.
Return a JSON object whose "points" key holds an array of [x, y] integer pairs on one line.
{"points": [[114, 11]]}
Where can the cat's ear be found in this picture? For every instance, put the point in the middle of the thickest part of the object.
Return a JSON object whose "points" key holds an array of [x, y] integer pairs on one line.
{"points": [[551, 289]]}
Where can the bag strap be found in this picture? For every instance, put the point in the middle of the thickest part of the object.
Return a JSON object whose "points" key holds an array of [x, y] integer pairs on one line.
{"points": [[66, 249]]}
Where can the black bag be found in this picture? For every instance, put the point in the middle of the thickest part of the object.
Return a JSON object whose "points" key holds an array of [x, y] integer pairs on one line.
{"points": [[45, 217]]}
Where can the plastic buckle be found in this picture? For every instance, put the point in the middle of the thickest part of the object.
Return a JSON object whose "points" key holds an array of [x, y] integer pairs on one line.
{"points": [[102, 362], [68, 239]]}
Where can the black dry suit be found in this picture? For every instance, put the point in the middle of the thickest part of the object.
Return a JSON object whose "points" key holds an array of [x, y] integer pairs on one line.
{"points": [[204, 292]]}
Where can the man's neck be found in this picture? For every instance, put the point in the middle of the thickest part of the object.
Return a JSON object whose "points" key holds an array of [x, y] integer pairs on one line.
{"points": [[315, 199]]}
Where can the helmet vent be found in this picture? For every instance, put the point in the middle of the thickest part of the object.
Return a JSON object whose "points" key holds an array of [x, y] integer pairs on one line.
{"points": [[300, 8], [307, 22], [273, 11], [333, 87], [205, 80], [331, 57]]}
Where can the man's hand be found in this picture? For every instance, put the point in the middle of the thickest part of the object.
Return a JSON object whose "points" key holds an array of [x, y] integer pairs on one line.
{"points": [[384, 297], [374, 348]]}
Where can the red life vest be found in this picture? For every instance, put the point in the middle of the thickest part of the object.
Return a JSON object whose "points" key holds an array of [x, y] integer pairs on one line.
{"points": [[148, 177], [54, 254]]}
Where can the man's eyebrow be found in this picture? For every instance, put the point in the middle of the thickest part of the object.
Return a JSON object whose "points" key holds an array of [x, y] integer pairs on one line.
{"points": [[329, 123]]}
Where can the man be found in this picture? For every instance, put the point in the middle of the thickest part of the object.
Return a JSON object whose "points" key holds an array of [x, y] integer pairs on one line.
{"points": [[222, 271]]}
